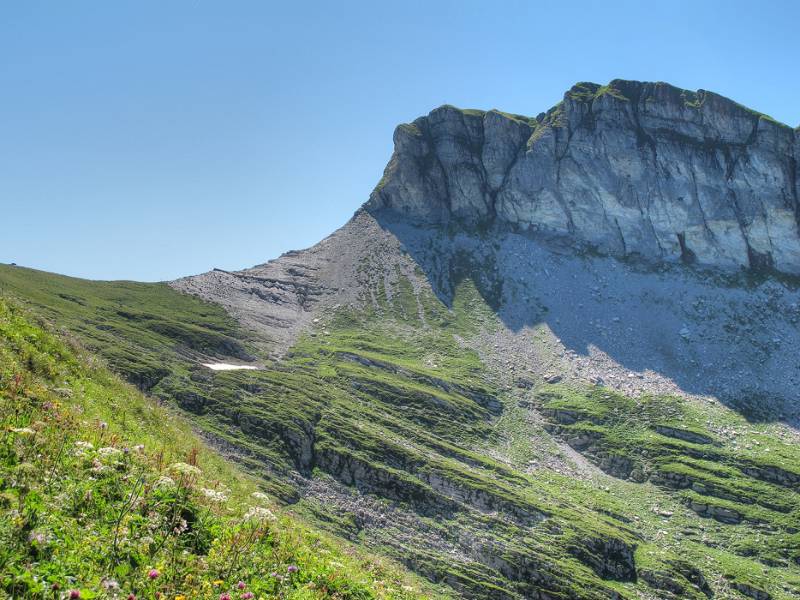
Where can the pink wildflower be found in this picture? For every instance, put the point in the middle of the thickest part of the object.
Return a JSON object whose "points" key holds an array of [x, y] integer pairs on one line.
{"points": [[225, 597], [73, 594], [153, 574], [241, 585], [248, 596], [292, 569]]}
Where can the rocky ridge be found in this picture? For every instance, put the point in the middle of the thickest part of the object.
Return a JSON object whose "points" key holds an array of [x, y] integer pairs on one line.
{"points": [[627, 169]]}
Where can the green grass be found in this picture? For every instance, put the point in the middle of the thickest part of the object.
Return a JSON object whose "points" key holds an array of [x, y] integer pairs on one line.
{"points": [[390, 403], [473, 112], [718, 473], [587, 92], [696, 100], [146, 331], [106, 493]]}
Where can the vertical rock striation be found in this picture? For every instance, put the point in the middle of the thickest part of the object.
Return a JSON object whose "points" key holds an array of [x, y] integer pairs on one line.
{"points": [[630, 168]]}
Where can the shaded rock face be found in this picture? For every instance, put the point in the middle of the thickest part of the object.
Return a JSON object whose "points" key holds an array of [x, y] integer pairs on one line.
{"points": [[610, 558], [631, 168]]}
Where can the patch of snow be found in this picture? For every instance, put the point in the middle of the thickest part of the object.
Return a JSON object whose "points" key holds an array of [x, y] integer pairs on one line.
{"points": [[228, 367]]}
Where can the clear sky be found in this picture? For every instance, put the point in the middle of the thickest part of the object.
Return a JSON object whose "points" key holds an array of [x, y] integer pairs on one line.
{"points": [[149, 140]]}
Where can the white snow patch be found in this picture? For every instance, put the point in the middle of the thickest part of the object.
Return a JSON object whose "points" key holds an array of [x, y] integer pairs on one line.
{"points": [[227, 367]]}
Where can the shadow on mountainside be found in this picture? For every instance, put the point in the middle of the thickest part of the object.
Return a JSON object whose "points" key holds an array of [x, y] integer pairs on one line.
{"points": [[708, 334]]}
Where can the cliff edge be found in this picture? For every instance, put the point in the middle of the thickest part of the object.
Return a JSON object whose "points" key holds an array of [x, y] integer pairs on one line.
{"points": [[626, 169]]}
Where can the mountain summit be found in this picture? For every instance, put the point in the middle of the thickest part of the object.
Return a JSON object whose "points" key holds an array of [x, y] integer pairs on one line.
{"points": [[628, 169]]}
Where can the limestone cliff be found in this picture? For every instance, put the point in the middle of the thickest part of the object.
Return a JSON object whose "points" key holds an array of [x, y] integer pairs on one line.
{"points": [[630, 168]]}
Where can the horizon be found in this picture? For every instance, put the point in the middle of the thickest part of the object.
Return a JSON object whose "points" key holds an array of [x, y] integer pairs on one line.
{"points": [[147, 143]]}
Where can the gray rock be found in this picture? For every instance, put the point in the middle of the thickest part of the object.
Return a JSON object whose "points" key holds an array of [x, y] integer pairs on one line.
{"points": [[631, 168]]}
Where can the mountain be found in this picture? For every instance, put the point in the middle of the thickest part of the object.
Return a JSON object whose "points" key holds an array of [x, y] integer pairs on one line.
{"points": [[549, 358], [629, 169]]}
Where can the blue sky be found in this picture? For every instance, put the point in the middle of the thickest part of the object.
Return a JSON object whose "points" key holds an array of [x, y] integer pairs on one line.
{"points": [[149, 140]]}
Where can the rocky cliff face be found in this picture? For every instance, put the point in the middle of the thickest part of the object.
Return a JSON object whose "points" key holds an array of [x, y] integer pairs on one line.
{"points": [[642, 169]]}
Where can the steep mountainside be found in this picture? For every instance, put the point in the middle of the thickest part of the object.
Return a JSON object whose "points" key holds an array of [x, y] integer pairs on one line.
{"points": [[629, 169], [550, 358]]}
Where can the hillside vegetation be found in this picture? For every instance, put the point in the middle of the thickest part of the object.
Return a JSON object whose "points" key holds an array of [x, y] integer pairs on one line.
{"points": [[384, 426], [145, 331], [104, 494]]}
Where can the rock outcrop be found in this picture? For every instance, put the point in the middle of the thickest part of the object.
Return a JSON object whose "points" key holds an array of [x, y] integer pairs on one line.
{"points": [[627, 169]]}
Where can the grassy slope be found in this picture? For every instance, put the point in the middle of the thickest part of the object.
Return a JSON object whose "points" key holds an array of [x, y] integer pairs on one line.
{"points": [[391, 401], [98, 519], [742, 479], [145, 331], [658, 517]]}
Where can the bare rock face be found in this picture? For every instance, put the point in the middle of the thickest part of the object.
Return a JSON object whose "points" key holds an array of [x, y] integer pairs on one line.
{"points": [[627, 169], [279, 299]]}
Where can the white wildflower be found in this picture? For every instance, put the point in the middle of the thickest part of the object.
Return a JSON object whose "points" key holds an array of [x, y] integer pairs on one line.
{"points": [[214, 495], [185, 469], [23, 430], [109, 584], [83, 448], [180, 527], [260, 496], [109, 453], [259, 513], [164, 482], [37, 537]]}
